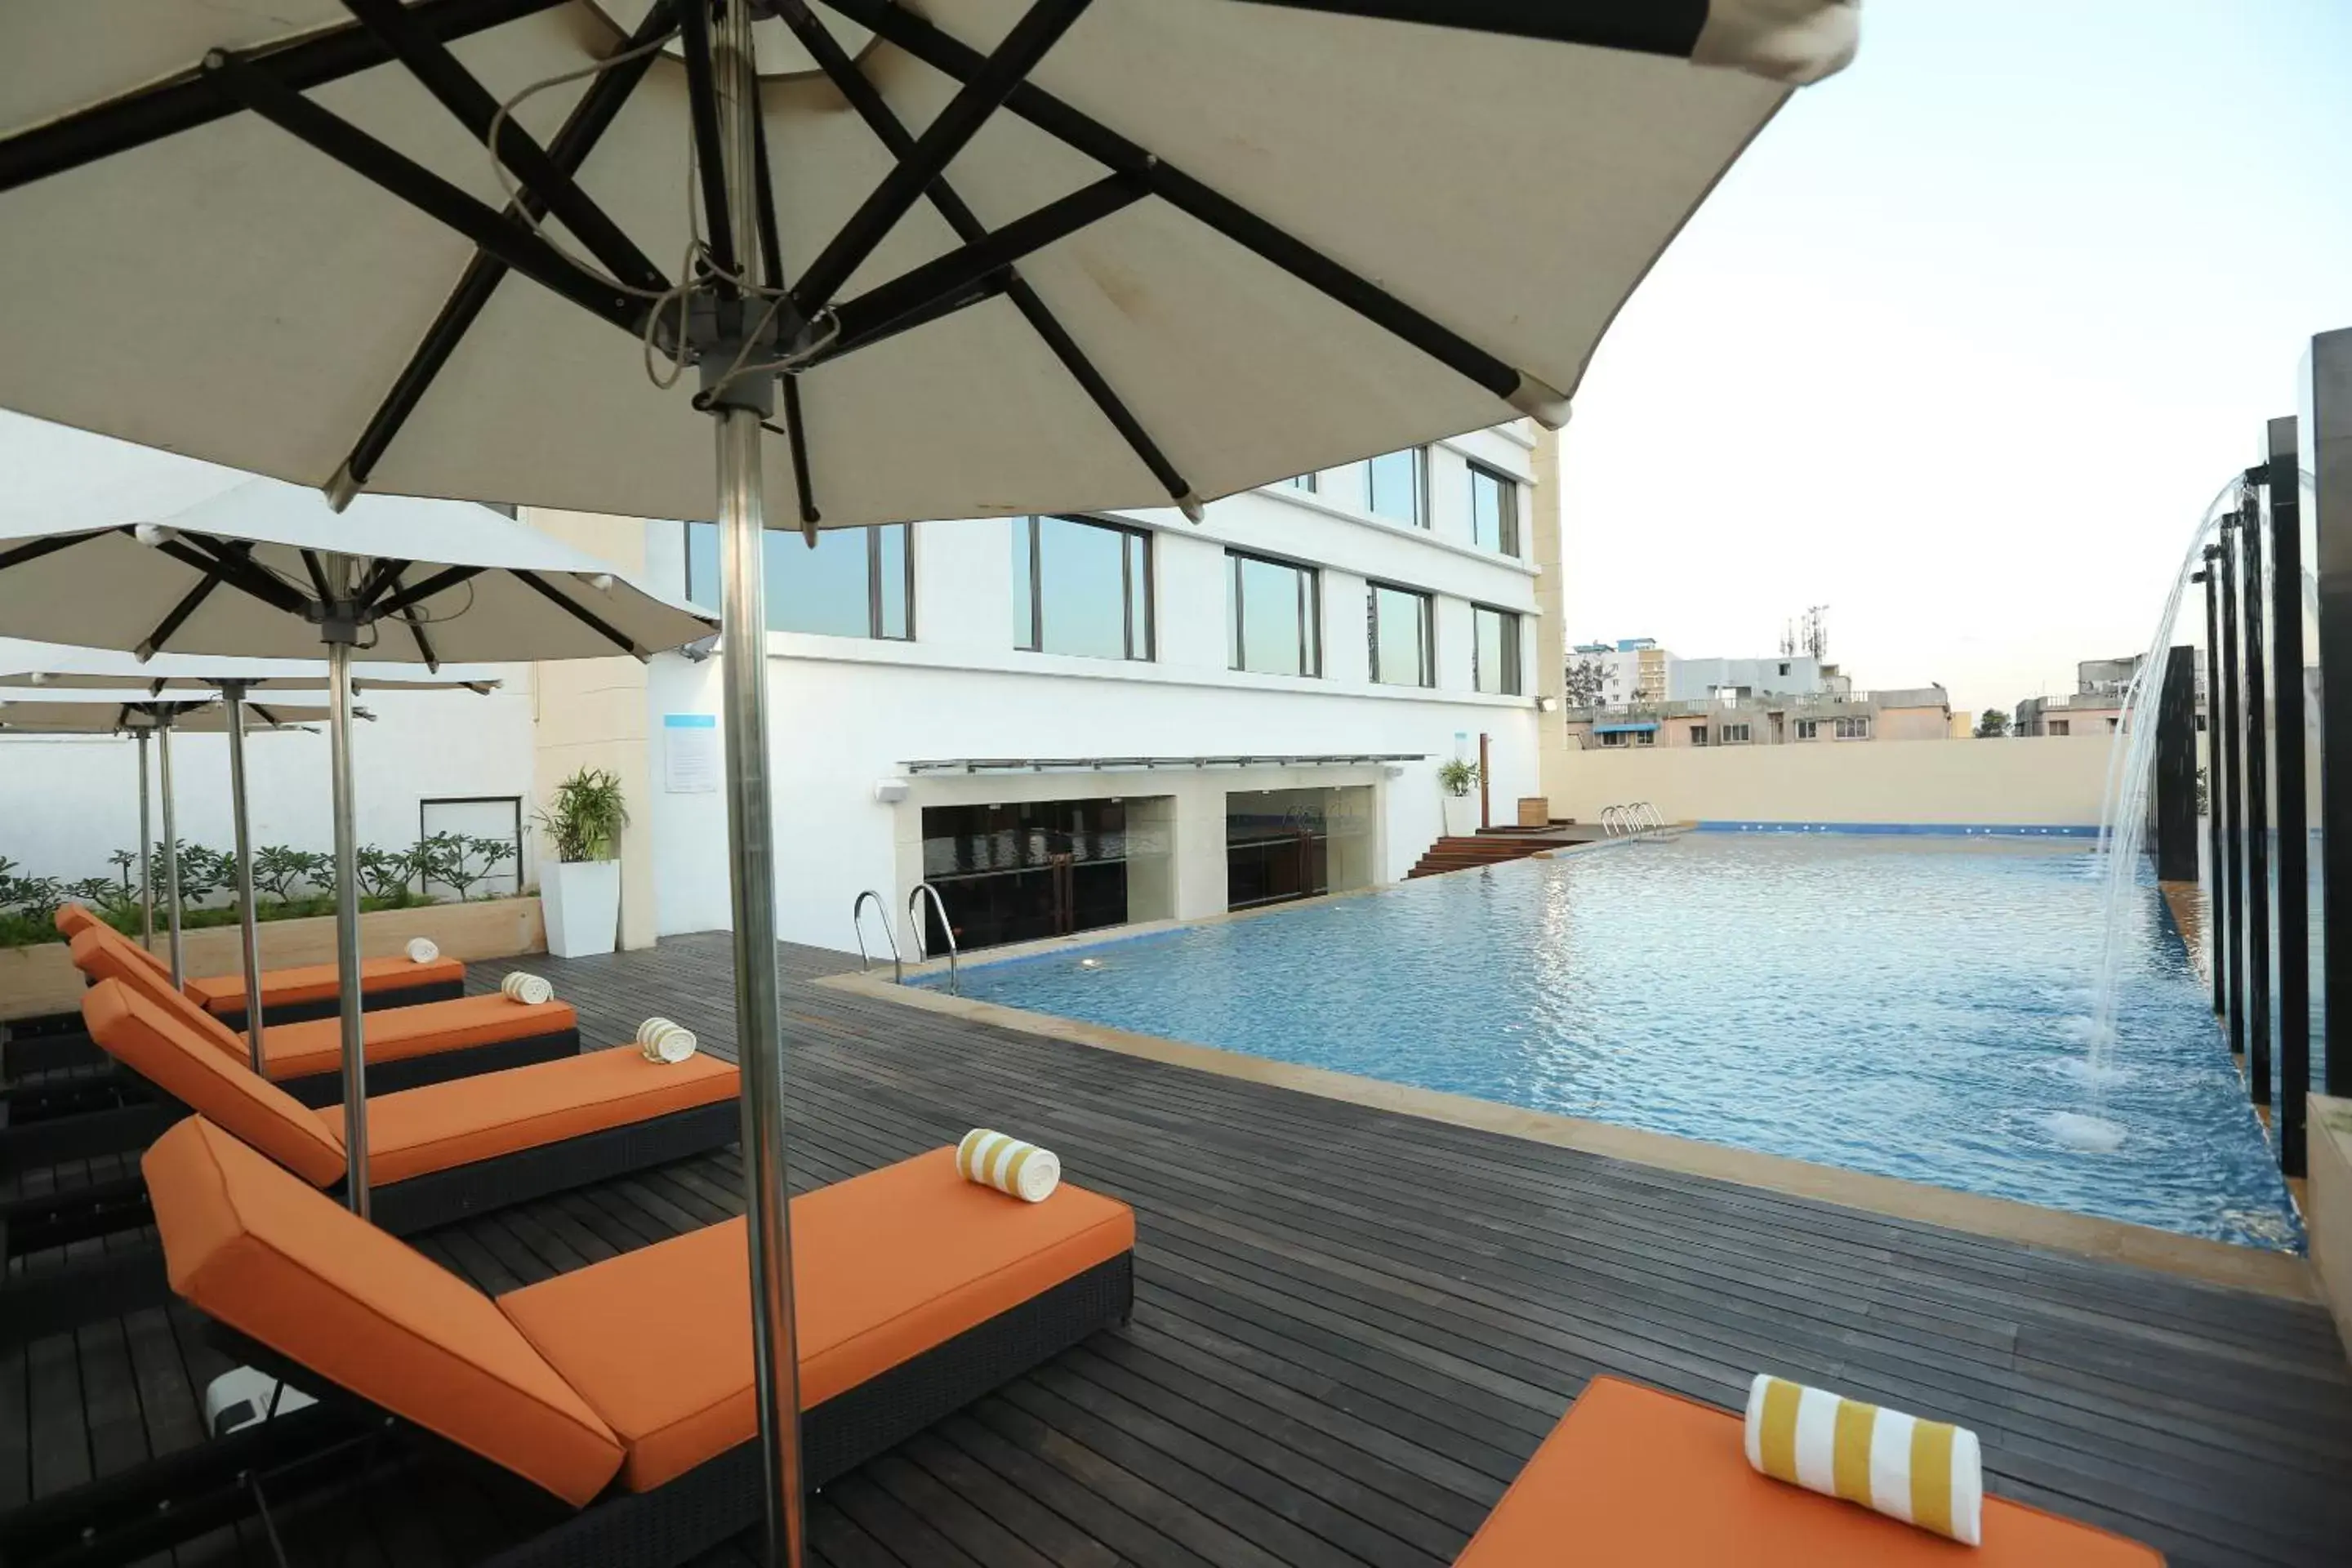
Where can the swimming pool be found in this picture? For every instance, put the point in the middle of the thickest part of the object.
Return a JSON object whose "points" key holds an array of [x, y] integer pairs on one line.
{"points": [[1912, 1007]]}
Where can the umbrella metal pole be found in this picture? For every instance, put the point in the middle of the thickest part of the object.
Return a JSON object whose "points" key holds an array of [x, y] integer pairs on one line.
{"points": [[146, 855], [751, 828], [340, 637], [171, 855], [233, 693]]}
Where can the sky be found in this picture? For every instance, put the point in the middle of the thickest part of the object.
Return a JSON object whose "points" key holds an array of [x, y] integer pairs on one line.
{"points": [[1965, 344]]}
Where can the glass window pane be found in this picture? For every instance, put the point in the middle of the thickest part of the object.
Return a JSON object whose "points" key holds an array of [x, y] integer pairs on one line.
{"points": [[1485, 510], [1395, 486], [1270, 626], [1082, 588], [702, 564], [1489, 660], [821, 590], [1512, 664], [1139, 597], [1233, 612], [1024, 604], [892, 541], [1345, 485], [1400, 628]]}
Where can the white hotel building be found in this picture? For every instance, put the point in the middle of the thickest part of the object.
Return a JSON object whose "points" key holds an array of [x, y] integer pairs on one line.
{"points": [[1061, 723]]}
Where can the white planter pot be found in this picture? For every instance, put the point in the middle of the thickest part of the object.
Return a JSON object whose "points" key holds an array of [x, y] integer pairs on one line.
{"points": [[583, 902], [1461, 815]]}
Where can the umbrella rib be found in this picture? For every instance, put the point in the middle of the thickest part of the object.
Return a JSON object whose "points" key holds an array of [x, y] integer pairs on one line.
{"points": [[588, 619], [988, 85], [419, 186], [1668, 27], [385, 573], [872, 314], [184, 102], [40, 547], [240, 573], [415, 624], [317, 570], [457, 90], [884, 121], [987, 289], [771, 245], [449, 578], [189, 603], [589, 120], [950, 55], [702, 112]]}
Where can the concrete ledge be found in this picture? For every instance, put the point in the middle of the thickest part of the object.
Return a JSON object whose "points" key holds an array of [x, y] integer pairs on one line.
{"points": [[38, 980], [2212, 1262]]}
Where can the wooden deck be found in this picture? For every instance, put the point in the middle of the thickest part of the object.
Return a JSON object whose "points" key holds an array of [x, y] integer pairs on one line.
{"points": [[1352, 1327]]}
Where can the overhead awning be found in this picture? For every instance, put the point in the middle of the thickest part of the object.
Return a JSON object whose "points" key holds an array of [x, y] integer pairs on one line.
{"points": [[1137, 765], [1629, 727]]}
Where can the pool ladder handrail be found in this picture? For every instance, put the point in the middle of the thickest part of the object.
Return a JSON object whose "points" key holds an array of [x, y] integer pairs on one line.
{"points": [[857, 924], [915, 926], [1632, 819]]}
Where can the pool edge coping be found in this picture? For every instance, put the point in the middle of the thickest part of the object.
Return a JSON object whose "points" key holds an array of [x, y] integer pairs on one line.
{"points": [[2283, 1275]]}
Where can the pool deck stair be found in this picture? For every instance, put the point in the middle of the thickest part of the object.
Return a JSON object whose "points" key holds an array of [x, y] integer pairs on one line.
{"points": [[1494, 845], [1353, 1324]]}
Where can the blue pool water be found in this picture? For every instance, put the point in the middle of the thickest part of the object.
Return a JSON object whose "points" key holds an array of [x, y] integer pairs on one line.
{"points": [[1909, 1006]]}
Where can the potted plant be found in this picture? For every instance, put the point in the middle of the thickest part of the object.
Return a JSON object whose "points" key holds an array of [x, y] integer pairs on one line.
{"points": [[580, 894], [1457, 778]]}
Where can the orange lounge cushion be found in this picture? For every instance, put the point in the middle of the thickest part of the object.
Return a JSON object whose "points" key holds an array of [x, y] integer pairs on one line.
{"points": [[441, 1125], [160, 1045], [1635, 1477], [319, 981], [301, 1050], [102, 953], [289, 1267], [885, 1266]]}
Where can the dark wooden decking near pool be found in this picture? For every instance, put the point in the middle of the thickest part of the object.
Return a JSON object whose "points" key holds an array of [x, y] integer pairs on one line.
{"points": [[1352, 1327]]}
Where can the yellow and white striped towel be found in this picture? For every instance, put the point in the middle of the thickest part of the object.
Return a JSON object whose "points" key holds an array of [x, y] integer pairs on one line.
{"points": [[661, 1040], [1927, 1473], [993, 1160], [422, 950], [526, 988]]}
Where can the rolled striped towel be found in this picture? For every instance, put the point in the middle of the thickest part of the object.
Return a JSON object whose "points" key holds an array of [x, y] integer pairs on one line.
{"points": [[993, 1160], [526, 988], [422, 950], [1927, 1473], [661, 1040]]}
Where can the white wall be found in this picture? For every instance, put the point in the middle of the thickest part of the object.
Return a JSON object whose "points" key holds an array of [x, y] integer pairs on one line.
{"points": [[67, 805], [846, 713]]}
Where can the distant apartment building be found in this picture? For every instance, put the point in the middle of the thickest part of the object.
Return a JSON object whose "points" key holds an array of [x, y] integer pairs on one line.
{"points": [[1736, 718], [2094, 707], [1631, 669], [1740, 679]]}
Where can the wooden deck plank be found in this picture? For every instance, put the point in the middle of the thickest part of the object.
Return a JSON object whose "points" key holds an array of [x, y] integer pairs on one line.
{"points": [[1352, 1326]]}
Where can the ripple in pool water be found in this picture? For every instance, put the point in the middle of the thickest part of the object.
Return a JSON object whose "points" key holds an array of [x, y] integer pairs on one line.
{"points": [[1910, 1007]]}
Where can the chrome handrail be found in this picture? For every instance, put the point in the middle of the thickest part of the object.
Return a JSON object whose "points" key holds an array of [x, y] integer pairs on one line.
{"points": [[857, 924], [915, 924]]}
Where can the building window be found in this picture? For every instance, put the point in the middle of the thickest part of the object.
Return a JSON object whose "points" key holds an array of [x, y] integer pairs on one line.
{"points": [[1645, 737], [1398, 621], [1809, 728], [1612, 737], [1699, 734], [2057, 727], [1731, 735], [1495, 651], [856, 583], [1853, 729], [1273, 616], [1397, 487], [1493, 510], [1081, 587], [2115, 724], [1301, 482]]}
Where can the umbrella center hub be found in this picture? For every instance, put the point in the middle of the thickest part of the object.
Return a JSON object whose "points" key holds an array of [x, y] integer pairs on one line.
{"points": [[740, 343]]}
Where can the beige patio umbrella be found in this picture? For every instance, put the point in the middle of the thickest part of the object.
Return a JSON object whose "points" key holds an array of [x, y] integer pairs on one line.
{"points": [[1130, 253], [266, 569], [229, 687], [142, 718]]}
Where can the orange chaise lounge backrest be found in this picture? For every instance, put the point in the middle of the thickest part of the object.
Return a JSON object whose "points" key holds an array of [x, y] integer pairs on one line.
{"points": [[72, 920], [102, 953], [290, 1268], [157, 1044]]}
